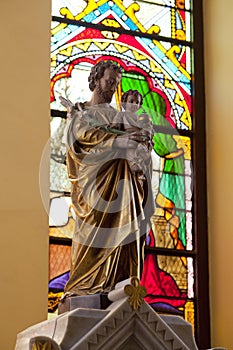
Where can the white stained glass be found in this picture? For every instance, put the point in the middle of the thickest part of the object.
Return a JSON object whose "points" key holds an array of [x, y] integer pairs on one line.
{"points": [[58, 177], [189, 237], [150, 13], [190, 278], [54, 125], [75, 88], [188, 205], [187, 21], [160, 2], [161, 18], [157, 168], [188, 188], [58, 137], [188, 4], [75, 6], [59, 211], [188, 167], [189, 37], [188, 60], [166, 3], [53, 26]]}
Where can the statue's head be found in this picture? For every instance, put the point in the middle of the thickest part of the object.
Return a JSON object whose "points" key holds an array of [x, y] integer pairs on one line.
{"points": [[131, 100], [98, 72]]}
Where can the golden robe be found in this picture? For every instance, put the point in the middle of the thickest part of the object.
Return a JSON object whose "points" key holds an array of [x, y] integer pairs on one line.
{"points": [[112, 205]]}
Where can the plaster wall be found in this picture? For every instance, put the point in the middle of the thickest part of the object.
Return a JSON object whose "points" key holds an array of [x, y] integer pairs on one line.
{"points": [[219, 116], [24, 95]]}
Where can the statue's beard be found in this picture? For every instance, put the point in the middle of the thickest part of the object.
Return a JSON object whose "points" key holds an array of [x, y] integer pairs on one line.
{"points": [[106, 97]]}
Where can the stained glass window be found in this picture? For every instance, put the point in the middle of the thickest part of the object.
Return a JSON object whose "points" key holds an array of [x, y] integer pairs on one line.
{"points": [[152, 41]]}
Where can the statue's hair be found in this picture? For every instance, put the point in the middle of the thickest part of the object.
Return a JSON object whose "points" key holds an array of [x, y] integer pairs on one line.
{"points": [[130, 92], [97, 72]]}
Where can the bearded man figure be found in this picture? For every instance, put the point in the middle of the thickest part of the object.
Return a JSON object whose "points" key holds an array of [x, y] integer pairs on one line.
{"points": [[112, 205]]}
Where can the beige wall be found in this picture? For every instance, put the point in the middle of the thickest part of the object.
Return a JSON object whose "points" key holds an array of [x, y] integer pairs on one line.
{"points": [[24, 92], [24, 95], [219, 106]]}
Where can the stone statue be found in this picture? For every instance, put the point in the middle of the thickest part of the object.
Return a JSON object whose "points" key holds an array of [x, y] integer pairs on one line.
{"points": [[112, 203]]}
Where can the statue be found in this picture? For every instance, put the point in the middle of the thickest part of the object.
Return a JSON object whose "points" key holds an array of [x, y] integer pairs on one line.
{"points": [[113, 204], [139, 158]]}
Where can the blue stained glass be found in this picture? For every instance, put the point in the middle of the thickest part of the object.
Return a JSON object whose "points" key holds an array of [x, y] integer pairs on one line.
{"points": [[117, 10], [103, 8], [178, 22], [90, 17], [131, 25], [64, 35]]}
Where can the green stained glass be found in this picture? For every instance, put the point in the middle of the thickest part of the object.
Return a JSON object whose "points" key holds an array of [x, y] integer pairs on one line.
{"points": [[153, 104], [172, 187], [182, 227], [164, 144], [174, 166], [135, 82]]}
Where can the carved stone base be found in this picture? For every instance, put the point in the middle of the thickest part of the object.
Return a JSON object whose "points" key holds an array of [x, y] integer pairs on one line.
{"points": [[94, 301], [129, 323]]}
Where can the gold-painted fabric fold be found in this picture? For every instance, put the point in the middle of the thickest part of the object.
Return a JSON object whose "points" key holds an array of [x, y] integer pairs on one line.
{"points": [[112, 205]]}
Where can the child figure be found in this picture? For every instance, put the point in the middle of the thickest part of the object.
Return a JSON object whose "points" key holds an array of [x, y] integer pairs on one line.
{"points": [[139, 158]]}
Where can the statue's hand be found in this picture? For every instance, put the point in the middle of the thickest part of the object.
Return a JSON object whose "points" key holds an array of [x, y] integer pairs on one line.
{"points": [[121, 141], [65, 102], [131, 140], [125, 142], [68, 104], [139, 136]]}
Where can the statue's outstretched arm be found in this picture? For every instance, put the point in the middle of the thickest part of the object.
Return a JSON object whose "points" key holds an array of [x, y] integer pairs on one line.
{"points": [[69, 106]]}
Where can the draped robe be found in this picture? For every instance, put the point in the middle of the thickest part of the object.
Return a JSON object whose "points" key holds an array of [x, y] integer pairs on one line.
{"points": [[112, 205]]}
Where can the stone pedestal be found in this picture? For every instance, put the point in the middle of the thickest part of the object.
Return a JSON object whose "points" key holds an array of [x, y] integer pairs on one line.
{"points": [[95, 301], [128, 323]]}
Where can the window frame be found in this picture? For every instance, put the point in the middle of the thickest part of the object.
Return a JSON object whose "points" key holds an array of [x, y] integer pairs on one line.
{"points": [[199, 209]]}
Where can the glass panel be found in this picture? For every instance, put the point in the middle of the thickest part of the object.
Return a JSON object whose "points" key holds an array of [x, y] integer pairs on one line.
{"points": [[59, 260], [58, 172], [166, 18], [169, 281], [159, 70], [79, 6], [172, 188], [166, 104], [162, 99], [69, 42], [61, 217]]}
